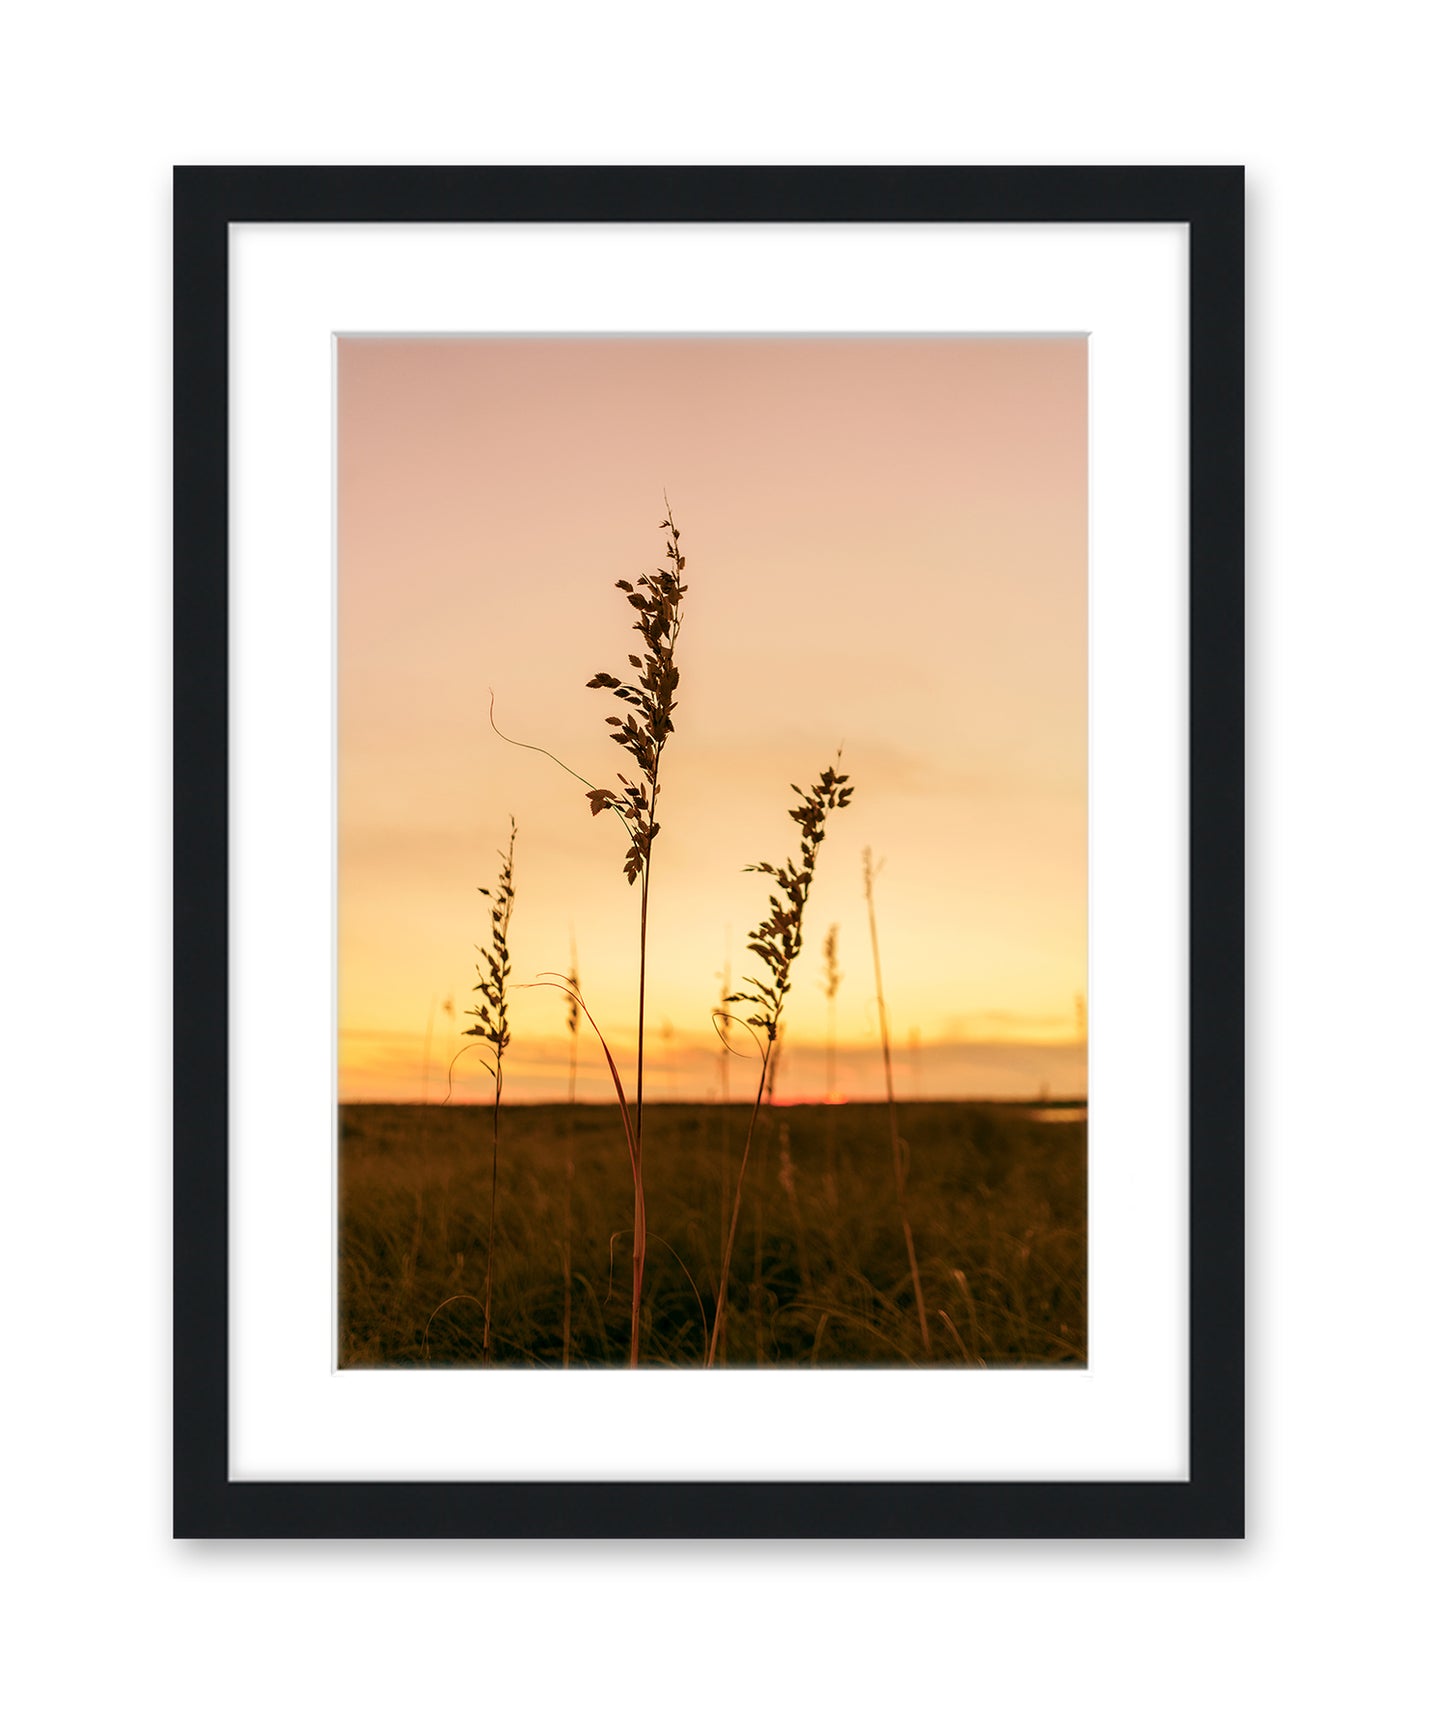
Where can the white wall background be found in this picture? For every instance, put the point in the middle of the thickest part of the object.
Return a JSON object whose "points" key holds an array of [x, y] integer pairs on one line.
{"points": [[1322, 1618]]}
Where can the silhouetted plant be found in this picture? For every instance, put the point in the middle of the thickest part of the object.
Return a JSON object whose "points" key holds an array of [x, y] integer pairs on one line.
{"points": [[870, 874], [574, 994], [491, 1029], [832, 981], [777, 940], [720, 1014], [648, 698]]}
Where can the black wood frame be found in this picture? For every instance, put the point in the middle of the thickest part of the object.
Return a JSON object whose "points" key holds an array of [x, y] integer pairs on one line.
{"points": [[1211, 202]]}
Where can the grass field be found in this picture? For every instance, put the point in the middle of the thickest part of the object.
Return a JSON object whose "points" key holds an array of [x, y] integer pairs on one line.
{"points": [[996, 1196]]}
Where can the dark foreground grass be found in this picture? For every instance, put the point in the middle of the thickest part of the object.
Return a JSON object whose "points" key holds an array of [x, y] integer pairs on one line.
{"points": [[820, 1273]]}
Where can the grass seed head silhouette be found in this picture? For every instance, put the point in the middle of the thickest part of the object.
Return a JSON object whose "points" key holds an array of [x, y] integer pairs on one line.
{"points": [[491, 1028], [778, 939], [575, 985], [496, 964], [649, 697], [832, 975]]}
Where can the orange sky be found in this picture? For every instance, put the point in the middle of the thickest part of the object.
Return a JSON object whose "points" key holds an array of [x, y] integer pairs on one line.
{"points": [[886, 547]]}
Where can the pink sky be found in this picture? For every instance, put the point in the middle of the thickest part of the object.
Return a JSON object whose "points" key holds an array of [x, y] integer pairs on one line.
{"points": [[886, 544]]}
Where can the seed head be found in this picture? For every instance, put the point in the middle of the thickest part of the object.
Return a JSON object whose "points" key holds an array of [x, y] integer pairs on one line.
{"points": [[778, 939], [496, 965], [648, 698], [832, 975]]}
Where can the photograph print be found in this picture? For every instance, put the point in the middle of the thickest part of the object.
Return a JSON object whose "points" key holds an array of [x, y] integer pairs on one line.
{"points": [[712, 822]]}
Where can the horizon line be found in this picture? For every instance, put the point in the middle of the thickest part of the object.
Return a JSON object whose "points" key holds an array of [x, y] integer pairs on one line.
{"points": [[1034, 1101]]}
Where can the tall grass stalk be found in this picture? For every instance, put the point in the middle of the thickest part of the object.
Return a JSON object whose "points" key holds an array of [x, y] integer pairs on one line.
{"points": [[832, 981], [573, 1023], [720, 1016], [491, 1028], [777, 940], [648, 697], [870, 874]]}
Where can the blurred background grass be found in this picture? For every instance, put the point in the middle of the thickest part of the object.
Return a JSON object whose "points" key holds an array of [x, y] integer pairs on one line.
{"points": [[996, 1194]]}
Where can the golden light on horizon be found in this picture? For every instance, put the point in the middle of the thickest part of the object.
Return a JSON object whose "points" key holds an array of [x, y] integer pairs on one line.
{"points": [[886, 543]]}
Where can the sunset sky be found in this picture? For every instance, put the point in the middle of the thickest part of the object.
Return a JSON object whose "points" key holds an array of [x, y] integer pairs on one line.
{"points": [[886, 548]]}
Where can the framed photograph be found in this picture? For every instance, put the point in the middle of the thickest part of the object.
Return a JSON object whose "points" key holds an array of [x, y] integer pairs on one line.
{"points": [[709, 852]]}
